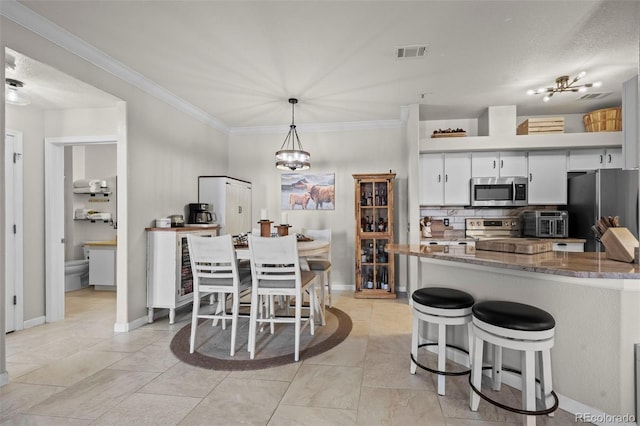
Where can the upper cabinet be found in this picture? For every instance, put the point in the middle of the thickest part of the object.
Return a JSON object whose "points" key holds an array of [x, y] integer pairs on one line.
{"points": [[630, 134], [230, 200], [444, 179], [497, 164], [547, 178], [592, 159]]}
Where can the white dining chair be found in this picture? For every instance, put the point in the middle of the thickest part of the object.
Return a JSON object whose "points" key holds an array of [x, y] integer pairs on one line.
{"points": [[214, 267], [275, 270], [321, 265]]}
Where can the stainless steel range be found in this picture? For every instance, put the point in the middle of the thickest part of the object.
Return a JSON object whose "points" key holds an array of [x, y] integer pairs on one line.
{"points": [[483, 228]]}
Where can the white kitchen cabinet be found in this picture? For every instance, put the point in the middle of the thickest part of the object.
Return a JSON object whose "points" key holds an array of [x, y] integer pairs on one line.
{"points": [[547, 183], [574, 247], [497, 164], [102, 267], [593, 159], [630, 123], [231, 202], [169, 278], [444, 179]]}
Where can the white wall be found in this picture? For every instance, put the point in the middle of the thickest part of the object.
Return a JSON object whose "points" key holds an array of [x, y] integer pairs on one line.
{"points": [[166, 152], [251, 158]]}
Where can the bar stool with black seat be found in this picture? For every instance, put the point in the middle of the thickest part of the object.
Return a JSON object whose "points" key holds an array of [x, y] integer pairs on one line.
{"points": [[519, 327], [441, 306]]}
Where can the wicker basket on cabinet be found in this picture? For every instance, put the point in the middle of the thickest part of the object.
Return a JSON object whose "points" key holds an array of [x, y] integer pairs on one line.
{"points": [[603, 120]]}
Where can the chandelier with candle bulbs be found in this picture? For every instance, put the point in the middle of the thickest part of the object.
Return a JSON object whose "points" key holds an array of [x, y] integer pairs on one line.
{"points": [[291, 156], [563, 84]]}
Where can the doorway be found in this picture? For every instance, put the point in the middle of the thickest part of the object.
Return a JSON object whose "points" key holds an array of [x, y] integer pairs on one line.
{"points": [[54, 224]]}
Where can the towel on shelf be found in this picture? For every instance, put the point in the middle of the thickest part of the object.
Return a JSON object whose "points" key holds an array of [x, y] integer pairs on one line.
{"points": [[82, 213], [90, 185], [98, 216]]}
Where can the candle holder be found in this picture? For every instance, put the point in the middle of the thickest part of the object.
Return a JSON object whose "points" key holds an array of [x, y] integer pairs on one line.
{"points": [[265, 228], [283, 230]]}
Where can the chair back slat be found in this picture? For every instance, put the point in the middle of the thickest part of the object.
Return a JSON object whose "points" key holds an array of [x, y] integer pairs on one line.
{"points": [[212, 258], [274, 259]]}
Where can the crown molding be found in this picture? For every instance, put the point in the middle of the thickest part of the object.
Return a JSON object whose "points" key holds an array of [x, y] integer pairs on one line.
{"points": [[36, 23], [318, 127]]}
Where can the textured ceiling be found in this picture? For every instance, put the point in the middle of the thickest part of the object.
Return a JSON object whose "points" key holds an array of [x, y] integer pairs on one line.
{"points": [[239, 61], [49, 88]]}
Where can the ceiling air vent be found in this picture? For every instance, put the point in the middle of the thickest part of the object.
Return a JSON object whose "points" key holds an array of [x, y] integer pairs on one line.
{"points": [[410, 52], [590, 96]]}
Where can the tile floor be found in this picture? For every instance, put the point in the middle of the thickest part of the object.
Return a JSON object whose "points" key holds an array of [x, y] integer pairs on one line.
{"points": [[78, 372]]}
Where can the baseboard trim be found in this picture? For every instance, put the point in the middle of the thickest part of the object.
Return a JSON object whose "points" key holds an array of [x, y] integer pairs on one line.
{"points": [[129, 326], [4, 378], [33, 322]]}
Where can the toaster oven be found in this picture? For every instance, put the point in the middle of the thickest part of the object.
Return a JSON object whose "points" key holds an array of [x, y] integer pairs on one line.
{"points": [[546, 223]]}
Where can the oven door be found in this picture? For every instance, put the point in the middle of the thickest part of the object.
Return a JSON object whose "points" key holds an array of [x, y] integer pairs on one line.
{"points": [[555, 227], [488, 192]]}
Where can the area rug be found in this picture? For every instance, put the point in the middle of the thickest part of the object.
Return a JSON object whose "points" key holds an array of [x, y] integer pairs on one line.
{"points": [[272, 350]]}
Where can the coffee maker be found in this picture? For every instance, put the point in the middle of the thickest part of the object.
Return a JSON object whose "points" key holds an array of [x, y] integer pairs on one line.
{"points": [[200, 213]]}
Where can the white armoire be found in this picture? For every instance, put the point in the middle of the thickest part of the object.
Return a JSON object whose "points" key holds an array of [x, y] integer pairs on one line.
{"points": [[231, 202]]}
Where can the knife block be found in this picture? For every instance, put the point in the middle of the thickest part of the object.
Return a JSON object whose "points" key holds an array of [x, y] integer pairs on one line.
{"points": [[619, 244]]}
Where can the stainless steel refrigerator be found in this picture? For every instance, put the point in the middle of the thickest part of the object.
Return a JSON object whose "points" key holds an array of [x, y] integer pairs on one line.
{"points": [[605, 192]]}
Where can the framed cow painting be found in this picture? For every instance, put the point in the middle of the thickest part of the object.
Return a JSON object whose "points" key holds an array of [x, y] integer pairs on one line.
{"points": [[308, 191]]}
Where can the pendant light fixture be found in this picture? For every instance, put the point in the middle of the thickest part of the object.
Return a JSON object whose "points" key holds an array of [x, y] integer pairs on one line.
{"points": [[291, 156], [13, 95], [563, 84]]}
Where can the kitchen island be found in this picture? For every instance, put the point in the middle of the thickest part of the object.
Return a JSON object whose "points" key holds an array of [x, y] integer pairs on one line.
{"points": [[594, 300]]}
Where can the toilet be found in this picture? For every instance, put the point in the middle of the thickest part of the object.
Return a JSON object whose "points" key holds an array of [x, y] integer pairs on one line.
{"points": [[76, 274]]}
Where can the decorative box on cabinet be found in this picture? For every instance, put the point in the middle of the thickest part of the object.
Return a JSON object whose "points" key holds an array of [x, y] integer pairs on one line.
{"points": [[169, 278], [374, 230], [231, 200]]}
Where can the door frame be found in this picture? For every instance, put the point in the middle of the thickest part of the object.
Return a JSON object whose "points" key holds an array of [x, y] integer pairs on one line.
{"points": [[14, 242], [54, 217]]}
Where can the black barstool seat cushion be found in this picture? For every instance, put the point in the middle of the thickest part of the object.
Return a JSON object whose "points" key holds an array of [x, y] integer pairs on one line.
{"points": [[443, 298], [513, 315]]}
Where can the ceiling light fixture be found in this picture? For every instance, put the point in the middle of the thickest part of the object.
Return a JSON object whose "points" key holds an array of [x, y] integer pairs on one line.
{"points": [[291, 156], [563, 84], [13, 95]]}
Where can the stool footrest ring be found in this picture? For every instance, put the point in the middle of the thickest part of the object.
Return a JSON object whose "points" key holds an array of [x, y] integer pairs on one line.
{"points": [[442, 373], [513, 409]]}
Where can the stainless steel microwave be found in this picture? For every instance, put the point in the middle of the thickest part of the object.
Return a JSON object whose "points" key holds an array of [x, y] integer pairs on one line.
{"points": [[499, 192]]}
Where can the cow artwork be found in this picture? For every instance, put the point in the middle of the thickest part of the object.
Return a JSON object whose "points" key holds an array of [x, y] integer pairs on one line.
{"points": [[301, 199], [308, 192]]}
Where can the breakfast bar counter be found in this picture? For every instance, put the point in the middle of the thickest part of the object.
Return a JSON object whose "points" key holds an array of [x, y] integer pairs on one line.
{"points": [[594, 300], [571, 264]]}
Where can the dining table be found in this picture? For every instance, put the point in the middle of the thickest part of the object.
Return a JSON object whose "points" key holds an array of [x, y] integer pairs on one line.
{"points": [[306, 248]]}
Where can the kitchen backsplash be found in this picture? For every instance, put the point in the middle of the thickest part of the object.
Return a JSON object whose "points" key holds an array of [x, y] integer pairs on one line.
{"points": [[457, 215]]}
